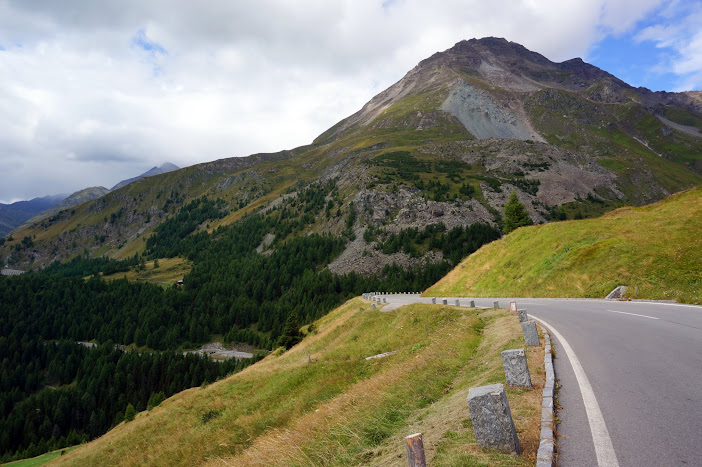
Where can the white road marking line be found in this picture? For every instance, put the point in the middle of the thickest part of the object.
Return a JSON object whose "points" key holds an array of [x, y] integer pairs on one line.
{"points": [[632, 314], [604, 450], [667, 304]]}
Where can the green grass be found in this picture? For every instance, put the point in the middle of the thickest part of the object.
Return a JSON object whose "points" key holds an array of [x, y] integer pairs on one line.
{"points": [[40, 460], [656, 248], [341, 409], [169, 271]]}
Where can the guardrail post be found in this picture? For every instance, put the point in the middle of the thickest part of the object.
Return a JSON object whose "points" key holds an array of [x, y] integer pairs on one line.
{"points": [[415, 451], [516, 368], [522, 313], [492, 418], [531, 335]]}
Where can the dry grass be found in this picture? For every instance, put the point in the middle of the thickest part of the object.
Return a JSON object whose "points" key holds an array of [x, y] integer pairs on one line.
{"points": [[342, 409]]}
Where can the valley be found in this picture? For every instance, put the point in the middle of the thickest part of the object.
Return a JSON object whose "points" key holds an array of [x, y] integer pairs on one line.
{"points": [[270, 252]]}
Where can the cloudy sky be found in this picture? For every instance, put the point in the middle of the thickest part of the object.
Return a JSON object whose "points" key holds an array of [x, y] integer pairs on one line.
{"points": [[92, 92]]}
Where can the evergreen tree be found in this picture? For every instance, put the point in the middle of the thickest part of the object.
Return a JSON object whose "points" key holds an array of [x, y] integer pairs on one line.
{"points": [[515, 215], [129, 413], [291, 332]]}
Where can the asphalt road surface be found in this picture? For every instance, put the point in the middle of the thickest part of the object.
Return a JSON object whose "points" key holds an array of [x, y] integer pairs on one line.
{"points": [[630, 376]]}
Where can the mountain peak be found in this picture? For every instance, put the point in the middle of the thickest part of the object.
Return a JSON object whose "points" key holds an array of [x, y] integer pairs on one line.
{"points": [[165, 167]]}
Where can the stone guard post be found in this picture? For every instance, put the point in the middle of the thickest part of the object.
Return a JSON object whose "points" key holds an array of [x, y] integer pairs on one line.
{"points": [[531, 335], [492, 418], [516, 369], [522, 313]]}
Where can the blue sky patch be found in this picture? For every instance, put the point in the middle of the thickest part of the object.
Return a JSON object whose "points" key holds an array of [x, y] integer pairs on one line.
{"points": [[143, 42]]}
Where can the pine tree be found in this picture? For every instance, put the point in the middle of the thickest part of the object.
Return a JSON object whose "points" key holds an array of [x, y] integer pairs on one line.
{"points": [[515, 215], [129, 413], [291, 332]]}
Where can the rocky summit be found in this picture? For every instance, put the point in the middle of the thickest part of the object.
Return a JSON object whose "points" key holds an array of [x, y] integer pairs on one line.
{"points": [[446, 145]]}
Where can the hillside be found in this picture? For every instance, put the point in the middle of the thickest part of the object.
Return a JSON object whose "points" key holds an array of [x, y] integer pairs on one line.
{"points": [[341, 409], [15, 214], [445, 144], [654, 249]]}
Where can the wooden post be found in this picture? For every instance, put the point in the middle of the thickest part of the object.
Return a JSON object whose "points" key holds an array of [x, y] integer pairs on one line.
{"points": [[309, 357], [427, 330], [415, 451]]}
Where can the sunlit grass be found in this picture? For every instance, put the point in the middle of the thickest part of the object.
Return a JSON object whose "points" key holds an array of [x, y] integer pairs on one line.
{"points": [[655, 250], [169, 271], [40, 460]]}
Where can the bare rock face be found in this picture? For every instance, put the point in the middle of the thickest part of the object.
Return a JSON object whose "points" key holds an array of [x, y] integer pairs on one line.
{"points": [[363, 258], [407, 208], [484, 117]]}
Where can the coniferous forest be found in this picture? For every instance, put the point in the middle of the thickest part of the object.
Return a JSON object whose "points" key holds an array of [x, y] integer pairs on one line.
{"points": [[56, 392]]}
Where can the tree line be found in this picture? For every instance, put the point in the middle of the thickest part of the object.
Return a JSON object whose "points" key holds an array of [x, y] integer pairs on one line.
{"points": [[59, 393]]}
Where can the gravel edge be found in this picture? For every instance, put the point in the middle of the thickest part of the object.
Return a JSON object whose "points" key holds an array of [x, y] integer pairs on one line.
{"points": [[547, 445]]}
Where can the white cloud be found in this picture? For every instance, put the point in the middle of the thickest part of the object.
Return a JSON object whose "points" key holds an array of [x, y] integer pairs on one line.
{"points": [[93, 92]]}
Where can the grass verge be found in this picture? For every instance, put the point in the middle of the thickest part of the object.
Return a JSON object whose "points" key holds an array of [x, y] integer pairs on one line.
{"points": [[342, 409]]}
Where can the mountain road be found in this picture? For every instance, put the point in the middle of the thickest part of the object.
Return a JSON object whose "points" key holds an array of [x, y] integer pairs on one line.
{"points": [[641, 362]]}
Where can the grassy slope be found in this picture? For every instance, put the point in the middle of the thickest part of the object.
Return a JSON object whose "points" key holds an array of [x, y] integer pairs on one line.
{"points": [[342, 409], [169, 271], [656, 248], [40, 460]]}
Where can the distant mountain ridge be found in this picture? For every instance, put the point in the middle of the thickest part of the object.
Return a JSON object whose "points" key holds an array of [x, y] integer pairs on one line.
{"points": [[24, 213], [166, 167], [446, 144], [15, 214], [80, 196]]}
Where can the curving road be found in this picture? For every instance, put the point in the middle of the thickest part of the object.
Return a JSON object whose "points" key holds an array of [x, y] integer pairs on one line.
{"points": [[642, 362]]}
